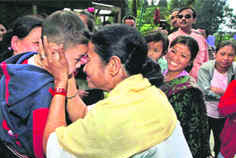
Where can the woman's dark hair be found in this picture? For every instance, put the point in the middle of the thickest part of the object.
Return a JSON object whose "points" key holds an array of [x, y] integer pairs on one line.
{"points": [[191, 43], [156, 37], [226, 43], [129, 45], [21, 27]]}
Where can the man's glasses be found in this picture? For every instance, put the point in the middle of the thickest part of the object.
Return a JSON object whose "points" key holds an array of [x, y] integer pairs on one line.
{"points": [[187, 16]]}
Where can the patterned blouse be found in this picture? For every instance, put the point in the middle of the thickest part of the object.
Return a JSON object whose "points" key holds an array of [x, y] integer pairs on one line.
{"points": [[188, 103]]}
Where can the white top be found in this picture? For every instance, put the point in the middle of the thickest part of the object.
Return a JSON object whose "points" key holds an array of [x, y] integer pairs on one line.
{"points": [[31, 60], [174, 146]]}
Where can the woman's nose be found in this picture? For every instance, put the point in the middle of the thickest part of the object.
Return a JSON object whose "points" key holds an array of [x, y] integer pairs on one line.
{"points": [[175, 57]]}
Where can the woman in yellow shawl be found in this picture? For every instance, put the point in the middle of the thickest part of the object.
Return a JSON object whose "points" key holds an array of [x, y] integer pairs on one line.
{"points": [[134, 120]]}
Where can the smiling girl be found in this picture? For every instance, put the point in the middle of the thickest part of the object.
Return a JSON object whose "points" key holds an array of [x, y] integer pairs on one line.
{"points": [[184, 95]]}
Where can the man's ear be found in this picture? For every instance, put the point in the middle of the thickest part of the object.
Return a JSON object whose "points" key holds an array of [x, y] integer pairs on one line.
{"points": [[194, 20], [14, 43], [114, 65]]}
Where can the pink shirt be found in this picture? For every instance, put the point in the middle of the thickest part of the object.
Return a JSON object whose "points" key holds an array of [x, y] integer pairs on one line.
{"points": [[219, 80], [202, 55]]}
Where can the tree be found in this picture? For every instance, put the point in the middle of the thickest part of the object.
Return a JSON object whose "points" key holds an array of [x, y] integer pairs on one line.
{"points": [[134, 8], [230, 18], [163, 3], [210, 14], [180, 3], [145, 14], [230, 22]]}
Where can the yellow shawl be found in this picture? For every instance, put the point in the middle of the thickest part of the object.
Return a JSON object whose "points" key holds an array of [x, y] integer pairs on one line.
{"points": [[134, 117]]}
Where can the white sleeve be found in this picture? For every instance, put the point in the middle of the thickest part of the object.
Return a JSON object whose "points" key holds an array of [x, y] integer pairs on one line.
{"points": [[55, 150], [90, 107]]}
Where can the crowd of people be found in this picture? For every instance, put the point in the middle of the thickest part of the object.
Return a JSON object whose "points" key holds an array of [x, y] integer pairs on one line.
{"points": [[71, 89]]}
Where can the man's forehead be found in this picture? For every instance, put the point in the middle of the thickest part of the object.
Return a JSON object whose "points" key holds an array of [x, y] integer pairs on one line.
{"points": [[187, 10]]}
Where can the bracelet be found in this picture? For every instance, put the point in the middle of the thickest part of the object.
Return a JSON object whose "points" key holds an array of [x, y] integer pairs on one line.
{"points": [[71, 97], [57, 91]]}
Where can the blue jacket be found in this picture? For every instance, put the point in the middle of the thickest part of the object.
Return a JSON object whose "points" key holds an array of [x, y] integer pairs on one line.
{"points": [[24, 102]]}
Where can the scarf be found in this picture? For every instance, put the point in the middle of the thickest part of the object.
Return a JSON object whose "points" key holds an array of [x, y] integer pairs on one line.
{"points": [[134, 117], [178, 84]]}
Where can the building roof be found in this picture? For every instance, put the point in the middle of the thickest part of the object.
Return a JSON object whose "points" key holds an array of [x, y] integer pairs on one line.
{"points": [[117, 3], [11, 9]]}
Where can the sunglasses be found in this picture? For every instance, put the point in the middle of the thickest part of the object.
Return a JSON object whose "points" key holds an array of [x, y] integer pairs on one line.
{"points": [[187, 16]]}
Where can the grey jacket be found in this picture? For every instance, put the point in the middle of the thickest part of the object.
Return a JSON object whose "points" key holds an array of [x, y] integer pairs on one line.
{"points": [[205, 75]]}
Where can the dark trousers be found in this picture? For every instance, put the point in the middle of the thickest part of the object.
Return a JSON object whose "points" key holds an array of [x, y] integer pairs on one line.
{"points": [[216, 125], [5, 152]]}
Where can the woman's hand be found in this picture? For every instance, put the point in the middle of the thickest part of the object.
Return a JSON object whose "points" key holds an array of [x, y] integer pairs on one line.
{"points": [[83, 93], [52, 59], [217, 90]]}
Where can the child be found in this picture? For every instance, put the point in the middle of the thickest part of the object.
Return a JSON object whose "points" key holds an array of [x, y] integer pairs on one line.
{"points": [[157, 47]]}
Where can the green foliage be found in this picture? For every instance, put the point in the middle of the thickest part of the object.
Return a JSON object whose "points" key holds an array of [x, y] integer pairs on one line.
{"points": [[221, 36], [163, 3], [98, 21], [231, 18], [146, 28], [145, 16], [210, 14], [129, 7], [145, 19], [180, 3]]}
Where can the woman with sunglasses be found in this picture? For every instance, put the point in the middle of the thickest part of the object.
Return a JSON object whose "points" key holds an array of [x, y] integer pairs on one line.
{"points": [[186, 19], [184, 95]]}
